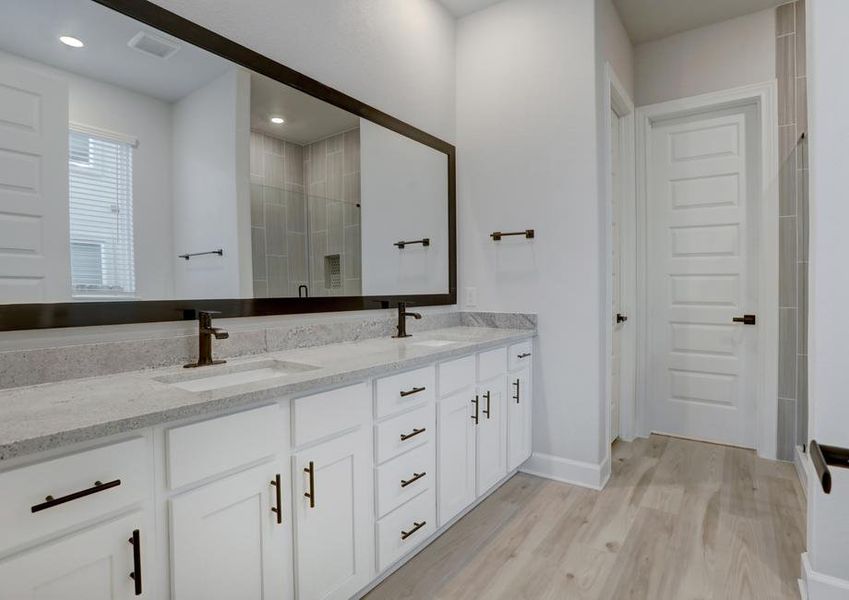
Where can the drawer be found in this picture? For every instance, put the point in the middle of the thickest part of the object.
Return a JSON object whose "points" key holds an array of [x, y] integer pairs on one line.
{"points": [[455, 375], [404, 477], [404, 432], [404, 390], [492, 363], [519, 355], [27, 515], [321, 415], [405, 529], [204, 449]]}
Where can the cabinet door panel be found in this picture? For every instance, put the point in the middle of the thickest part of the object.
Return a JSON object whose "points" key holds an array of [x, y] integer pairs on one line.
{"points": [[93, 564], [335, 533], [457, 449], [226, 542], [492, 433], [519, 419]]}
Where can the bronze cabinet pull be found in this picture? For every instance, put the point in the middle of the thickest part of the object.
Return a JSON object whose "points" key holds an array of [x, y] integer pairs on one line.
{"points": [[746, 319], [311, 494], [136, 575], [414, 433], [415, 390], [476, 402], [416, 527], [278, 492], [523, 355], [486, 411], [516, 383], [413, 479], [98, 486]]}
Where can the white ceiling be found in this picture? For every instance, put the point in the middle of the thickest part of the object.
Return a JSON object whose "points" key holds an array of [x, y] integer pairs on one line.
{"points": [[31, 28], [648, 20], [461, 8], [307, 119]]}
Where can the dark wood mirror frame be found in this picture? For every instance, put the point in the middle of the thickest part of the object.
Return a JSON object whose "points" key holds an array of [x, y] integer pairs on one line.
{"points": [[78, 314]]}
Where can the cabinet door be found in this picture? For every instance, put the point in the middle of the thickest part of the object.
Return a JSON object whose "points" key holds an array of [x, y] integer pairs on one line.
{"points": [[334, 508], [518, 418], [226, 541], [93, 564], [492, 433], [456, 458]]}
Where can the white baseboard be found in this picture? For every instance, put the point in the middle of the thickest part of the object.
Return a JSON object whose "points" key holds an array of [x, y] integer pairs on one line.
{"points": [[576, 472], [800, 461], [819, 586]]}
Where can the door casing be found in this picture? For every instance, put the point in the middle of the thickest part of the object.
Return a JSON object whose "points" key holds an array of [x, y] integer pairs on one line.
{"points": [[763, 97]]}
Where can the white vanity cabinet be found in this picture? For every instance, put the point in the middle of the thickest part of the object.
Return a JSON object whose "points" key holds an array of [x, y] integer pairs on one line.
{"points": [[519, 405], [491, 418], [333, 495]]}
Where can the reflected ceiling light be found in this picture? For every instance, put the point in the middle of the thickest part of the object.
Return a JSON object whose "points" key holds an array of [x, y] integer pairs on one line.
{"points": [[71, 41], [277, 120]]}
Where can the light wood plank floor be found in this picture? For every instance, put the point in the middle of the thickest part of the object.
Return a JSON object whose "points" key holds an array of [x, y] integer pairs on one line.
{"points": [[678, 520]]}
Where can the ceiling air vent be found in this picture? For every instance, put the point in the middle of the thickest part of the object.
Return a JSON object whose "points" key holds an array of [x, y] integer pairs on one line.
{"points": [[153, 45]]}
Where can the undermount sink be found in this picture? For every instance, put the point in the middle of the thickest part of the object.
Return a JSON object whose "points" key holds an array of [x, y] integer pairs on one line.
{"points": [[212, 378], [434, 343]]}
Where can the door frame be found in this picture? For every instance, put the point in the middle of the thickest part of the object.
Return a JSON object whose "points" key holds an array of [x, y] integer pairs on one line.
{"points": [[617, 99], [764, 97]]}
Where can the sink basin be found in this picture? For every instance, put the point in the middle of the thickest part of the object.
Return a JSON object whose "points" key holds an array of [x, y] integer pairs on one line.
{"points": [[213, 378], [434, 343]]}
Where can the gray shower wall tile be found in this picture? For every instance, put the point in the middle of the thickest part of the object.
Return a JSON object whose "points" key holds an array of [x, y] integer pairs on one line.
{"points": [[258, 252], [297, 251], [275, 229], [787, 262], [803, 214], [351, 148], [786, 442], [785, 19], [802, 318], [801, 32], [785, 69], [257, 211], [334, 176], [787, 352], [278, 276], [787, 176], [802, 400]]}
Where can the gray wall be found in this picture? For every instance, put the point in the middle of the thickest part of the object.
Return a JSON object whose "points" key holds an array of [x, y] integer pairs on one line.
{"points": [[793, 229]]}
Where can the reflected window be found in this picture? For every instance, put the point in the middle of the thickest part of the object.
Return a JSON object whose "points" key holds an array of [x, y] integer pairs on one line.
{"points": [[101, 215]]}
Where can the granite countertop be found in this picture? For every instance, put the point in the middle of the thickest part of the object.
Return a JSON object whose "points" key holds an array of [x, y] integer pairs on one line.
{"points": [[41, 417]]}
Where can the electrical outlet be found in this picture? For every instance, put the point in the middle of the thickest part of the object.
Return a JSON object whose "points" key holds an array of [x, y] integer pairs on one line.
{"points": [[471, 296]]}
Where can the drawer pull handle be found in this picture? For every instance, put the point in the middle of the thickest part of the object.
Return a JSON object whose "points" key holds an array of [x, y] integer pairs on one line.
{"points": [[136, 575], [523, 355], [487, 396], [476, 416], [414, 433], [415, 390], [516, 397], [413, 479], [98, 486], [311, 494], [416, 527], [278, 492]]}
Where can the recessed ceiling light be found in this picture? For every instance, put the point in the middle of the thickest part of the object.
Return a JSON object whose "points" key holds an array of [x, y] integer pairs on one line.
{"points": [[277, 120], [71, 41]]}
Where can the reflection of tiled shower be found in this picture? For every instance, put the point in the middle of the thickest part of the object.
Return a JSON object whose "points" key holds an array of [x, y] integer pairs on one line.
{"points": [[305, 221], [793, 229]]}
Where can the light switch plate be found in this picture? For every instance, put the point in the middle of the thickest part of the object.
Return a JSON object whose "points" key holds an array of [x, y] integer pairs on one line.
{"points": [[471, 297]]}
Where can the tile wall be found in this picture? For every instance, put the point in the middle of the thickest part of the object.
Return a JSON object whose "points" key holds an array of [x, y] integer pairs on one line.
{"points": [[793, 228]]}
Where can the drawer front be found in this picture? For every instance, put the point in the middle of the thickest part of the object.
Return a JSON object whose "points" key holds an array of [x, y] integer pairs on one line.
{"points": [[405, 529], [404, 432], [520, 355], [404, 390], [405, 477], [492, 363], [204, 449], [26, 514], [456, 374], [322, 415]]}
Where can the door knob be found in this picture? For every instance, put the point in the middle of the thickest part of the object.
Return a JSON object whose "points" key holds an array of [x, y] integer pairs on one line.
{"points": [[745, 319], [620, 318]]}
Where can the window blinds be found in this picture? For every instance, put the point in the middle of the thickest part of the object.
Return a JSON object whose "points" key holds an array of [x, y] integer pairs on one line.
{"points": [[101, 215]]}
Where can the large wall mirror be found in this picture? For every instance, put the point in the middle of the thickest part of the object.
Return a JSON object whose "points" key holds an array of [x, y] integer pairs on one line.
{"points": [[149, 167]]}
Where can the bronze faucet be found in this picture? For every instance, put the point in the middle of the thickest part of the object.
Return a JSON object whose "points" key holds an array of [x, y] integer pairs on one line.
{"points": [[205, 334], [402, 320]]}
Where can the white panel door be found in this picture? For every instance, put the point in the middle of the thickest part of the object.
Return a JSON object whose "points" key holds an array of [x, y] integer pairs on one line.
{"points": [[34, 222], [226, 541], [94, 564], [702, 272], [491, 450], [335, 523], [456, 447], [519, 419], [616, 274]]}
